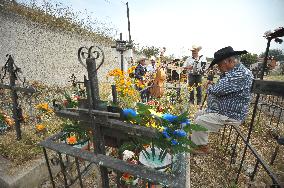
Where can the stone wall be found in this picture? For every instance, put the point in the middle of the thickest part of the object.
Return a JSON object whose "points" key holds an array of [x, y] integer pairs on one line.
{"points": [[47, 54]]}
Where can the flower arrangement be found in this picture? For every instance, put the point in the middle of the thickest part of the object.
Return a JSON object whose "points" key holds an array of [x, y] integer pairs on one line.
{"points": [[5, 119], [71, 101], [74, 134], [126, 178], [44, 107], [173, 131], [71, 140], [72, 97], [125, 87], [5, 122]]}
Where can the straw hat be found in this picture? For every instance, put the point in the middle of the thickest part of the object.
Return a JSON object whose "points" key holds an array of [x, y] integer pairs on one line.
{"points": [[195, 47], [152, 58]]}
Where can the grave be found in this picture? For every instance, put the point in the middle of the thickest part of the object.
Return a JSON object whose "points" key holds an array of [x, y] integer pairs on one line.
{"points": [[107, 129]]}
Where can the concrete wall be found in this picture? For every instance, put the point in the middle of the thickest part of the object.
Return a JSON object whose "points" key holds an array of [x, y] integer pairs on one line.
{"points": [[45, 54]]}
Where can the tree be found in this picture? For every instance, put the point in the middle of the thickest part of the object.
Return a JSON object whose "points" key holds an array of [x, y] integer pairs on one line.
{"points": [[276, 53], [150, 51], [248, 59]]}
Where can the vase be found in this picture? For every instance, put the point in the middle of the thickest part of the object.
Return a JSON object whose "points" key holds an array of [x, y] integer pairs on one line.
{"points": [[152, 157]]}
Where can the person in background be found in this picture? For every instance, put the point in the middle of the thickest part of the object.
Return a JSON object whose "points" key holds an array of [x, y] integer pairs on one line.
{"points": [[195, 65], [228, 99], [140, 75], [151, 68]]}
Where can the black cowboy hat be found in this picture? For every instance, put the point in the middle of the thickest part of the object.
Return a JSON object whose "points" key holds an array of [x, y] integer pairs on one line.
{"points": [[225, 53]]}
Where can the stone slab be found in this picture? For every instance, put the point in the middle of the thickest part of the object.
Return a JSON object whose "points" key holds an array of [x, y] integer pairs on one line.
{"points": [[30, 175]]}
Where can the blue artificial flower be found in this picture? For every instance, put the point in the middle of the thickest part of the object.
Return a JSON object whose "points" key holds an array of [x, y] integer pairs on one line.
{"points": [[179, 133], [174, 142], [186, 121], [129, 112], [165, 134], [169, 117]]}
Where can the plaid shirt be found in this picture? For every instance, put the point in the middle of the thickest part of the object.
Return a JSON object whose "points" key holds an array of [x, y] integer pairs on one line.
{"points": [[231, 95]]}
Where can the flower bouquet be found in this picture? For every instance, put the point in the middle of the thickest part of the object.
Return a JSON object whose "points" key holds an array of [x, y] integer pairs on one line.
{"points": [[173, 132], [71, 101], [6, 122], [74, 134], [125, 85]]}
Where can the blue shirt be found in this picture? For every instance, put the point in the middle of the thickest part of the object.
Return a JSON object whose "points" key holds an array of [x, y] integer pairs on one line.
{"points": [[231, 95]]}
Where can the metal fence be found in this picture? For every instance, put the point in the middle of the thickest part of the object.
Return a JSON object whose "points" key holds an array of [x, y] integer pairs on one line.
{"points": [[238, 141]]}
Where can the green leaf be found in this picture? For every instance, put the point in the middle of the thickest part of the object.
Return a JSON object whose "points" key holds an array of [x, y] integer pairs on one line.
{"points": [[127, 146], [187, 128], [182, 117]]}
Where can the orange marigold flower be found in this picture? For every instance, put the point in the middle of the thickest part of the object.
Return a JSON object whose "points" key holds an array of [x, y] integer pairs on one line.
{"points": [[72, 140], [126, 176], [40, 127]]}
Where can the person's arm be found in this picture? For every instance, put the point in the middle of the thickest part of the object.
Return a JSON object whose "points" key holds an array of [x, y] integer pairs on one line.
{"points": [[188, 64], [228, 85]]}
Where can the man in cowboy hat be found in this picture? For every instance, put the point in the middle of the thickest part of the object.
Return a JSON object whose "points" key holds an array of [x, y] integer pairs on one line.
{"points": [[195, 65], [228, 99]]}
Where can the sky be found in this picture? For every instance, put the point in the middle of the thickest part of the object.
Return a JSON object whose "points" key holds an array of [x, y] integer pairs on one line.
{"points": [[179, 24]]}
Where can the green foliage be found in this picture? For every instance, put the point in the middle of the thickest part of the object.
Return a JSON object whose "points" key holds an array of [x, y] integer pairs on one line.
{"points": [[248, 59], [70, 102], [74, 128], [172, 131], [277, 53], [150, 51]]}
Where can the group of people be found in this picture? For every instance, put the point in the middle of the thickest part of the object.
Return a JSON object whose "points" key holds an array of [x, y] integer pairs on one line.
{"points": [[227, 100]]}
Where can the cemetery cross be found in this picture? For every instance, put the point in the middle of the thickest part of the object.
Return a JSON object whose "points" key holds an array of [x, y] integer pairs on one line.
{"points": [[17, 111]]}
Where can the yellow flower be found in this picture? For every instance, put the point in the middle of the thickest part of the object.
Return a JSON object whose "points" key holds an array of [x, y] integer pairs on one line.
{"points": [[72, 140], [131, 69], [116, 72], [40, 127], [121, 81], [153, 112], [44, 107], [130, 92]]}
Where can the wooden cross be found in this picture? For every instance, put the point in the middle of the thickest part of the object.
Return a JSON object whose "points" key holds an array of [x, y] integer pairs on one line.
{"points": [[17, 111]]}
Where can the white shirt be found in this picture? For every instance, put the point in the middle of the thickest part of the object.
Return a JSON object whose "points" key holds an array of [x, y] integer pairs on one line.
{"points": [[198, 66], [150, 68]]}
